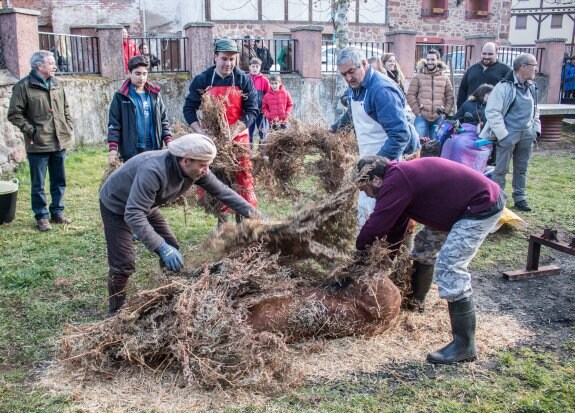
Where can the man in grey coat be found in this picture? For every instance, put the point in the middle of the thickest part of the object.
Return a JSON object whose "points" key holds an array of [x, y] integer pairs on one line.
{"points": [[513, 119], [130, 198]]}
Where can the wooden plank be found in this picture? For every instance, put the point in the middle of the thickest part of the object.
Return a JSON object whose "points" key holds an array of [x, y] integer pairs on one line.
{"points": [[525, 274]]}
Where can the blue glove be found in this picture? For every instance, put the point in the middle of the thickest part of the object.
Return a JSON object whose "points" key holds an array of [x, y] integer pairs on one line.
{"points": [[482, 142], [171, 257]]}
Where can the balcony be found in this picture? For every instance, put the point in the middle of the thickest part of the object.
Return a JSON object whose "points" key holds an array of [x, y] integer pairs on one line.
{"points": [[435, 12], [477, 14]]}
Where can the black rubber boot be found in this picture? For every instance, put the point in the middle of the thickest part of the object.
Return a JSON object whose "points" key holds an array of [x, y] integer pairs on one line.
{"points": [[462, 348], [116, 292], [420, 285]]}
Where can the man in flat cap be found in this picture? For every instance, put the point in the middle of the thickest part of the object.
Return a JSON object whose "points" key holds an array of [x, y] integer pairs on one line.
{"points": [[224, 80], [130, 198]]}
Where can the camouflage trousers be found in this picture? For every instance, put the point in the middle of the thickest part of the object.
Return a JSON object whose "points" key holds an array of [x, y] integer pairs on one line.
{"points": [[451, 252]]}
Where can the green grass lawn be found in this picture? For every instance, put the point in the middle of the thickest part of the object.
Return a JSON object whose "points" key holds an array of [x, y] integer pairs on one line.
{"points": [[49, 279]]}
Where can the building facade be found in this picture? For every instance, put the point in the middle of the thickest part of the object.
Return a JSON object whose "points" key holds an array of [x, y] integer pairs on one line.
{"points": [[442, 21]]}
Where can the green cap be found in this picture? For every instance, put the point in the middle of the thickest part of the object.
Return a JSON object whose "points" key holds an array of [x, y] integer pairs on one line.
{"points": [[226, 45]]}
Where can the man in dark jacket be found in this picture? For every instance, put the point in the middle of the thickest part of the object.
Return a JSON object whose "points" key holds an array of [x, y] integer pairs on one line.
{"points": [[130, 198], [488, 70], [38, 107], [137, 119], [225, 81], [457, 207], [263, 53]]}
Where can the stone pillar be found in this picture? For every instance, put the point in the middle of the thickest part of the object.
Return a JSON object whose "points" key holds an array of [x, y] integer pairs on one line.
{"points": [[110, 42], [403, 45], [307, 53], [200, 47], [477, 41], [550, 54], [19, 37]]}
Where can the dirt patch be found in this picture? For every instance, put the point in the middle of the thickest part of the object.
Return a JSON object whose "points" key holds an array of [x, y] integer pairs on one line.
{"points": [[545, 306]]}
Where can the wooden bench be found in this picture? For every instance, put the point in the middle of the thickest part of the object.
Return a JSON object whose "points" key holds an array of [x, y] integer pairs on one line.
{"points": [[551, 116]]}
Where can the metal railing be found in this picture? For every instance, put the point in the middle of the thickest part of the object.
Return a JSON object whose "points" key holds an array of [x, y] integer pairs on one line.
{"points": [[329, 52], [507, 54], [2, 61], [74, 54], [277, 55], [166, 54], [455, 56]]}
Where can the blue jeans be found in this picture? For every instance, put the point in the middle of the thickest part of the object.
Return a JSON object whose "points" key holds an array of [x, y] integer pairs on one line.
{"points": [[261, 123], [53, 162], [426, 127]]}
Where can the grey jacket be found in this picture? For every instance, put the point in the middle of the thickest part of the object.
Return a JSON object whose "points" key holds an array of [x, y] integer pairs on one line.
{"points": [[498, 104], [154, 178]]}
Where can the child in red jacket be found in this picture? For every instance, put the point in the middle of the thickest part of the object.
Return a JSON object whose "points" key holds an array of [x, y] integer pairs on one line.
{"points": [[277, 104], [262, 86]]}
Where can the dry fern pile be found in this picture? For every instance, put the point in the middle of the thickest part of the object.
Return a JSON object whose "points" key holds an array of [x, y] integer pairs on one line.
{"points": [[197, 322], [289, 155]]}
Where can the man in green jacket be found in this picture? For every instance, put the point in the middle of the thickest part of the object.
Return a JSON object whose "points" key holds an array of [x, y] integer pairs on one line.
{"points": [[38, 107]]}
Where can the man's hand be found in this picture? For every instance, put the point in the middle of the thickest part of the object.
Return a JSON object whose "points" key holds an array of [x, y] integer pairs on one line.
{"points": [[258, 215], [197, 128], [237, 128], [171, 257], [113, 158]]}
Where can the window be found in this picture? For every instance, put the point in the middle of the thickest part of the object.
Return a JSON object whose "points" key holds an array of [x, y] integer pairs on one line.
{"points": [[520, 22], [556, 21]]}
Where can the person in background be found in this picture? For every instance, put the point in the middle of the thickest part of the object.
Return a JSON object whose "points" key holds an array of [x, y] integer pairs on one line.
{"points": [[457, 207], [512, 114], [429, 91], [263, 53], [247, 53], [393, 70], [488, 70], [130, 200], [473, 109], [376, 64], [145, 51], [130, 49], [39, 108], [569, 78], [137, 119], [262, 85], [285, 58], [277, 104]]}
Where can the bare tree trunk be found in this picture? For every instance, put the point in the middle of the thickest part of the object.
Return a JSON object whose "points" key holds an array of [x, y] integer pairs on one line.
{"points": [[341, 40], [340, 24]]}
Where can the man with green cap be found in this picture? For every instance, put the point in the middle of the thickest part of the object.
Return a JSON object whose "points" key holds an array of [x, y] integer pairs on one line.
{"points": [[224, 80]]}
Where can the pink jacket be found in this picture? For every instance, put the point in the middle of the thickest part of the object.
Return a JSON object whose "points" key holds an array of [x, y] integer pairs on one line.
{"points": [[277, 106]]}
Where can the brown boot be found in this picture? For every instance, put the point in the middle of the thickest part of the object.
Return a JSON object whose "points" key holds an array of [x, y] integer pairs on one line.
{"points": [[116, 292]]}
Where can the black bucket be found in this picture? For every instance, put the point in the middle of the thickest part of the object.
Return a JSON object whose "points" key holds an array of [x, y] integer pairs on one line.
{"points": [[8, 196]]}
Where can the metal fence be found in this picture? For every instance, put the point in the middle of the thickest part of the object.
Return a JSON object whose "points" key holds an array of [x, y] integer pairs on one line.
{"points": [[166, 54], [456, 57], [329, 52], [507, 54], [281, 54], [74, 54], [2, 61]]}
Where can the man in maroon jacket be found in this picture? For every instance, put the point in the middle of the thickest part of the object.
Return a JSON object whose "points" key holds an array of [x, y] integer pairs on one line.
{"points": [[458, 207]]}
